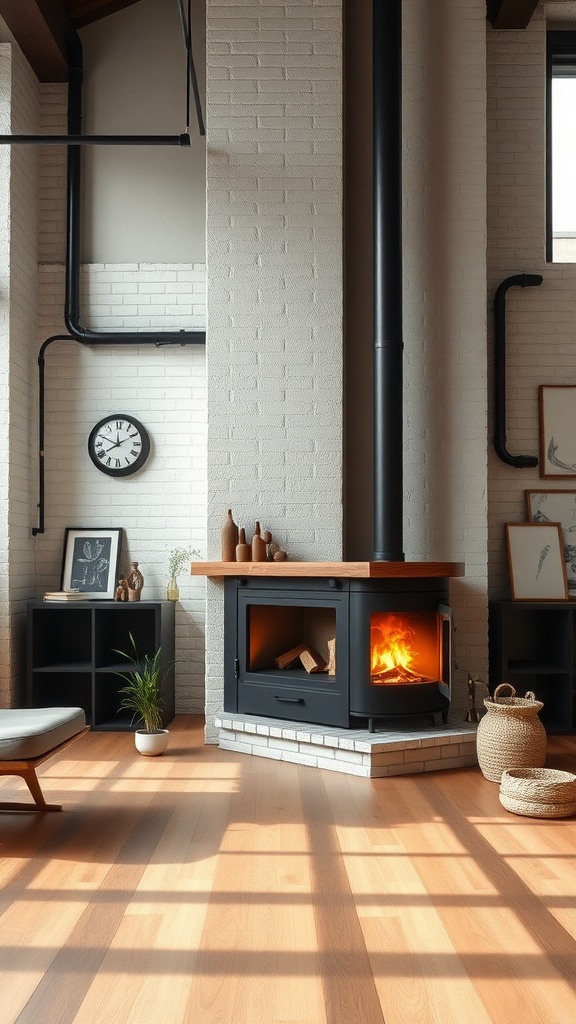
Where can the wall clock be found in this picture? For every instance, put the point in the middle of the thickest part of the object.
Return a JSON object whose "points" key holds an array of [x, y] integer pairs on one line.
{"points": [[119, 444]]}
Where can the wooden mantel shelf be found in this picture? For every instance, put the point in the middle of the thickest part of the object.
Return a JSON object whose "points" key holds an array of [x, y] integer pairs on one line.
{"points": [[353, 570]]}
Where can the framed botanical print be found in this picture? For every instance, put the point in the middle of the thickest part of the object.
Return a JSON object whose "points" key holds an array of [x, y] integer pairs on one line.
{"points": [[557, 421], [91, 560], [536, 562], [557, 507]]}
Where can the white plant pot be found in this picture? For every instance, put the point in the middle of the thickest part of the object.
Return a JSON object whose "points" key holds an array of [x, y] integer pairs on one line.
{"points": [[151, 743]]}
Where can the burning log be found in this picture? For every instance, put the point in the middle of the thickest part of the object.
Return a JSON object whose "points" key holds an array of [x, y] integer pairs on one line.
{"points": [[396, 674]]}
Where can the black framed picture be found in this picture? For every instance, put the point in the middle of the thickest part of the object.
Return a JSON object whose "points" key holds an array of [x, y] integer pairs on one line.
{"points": [[91, 560]]}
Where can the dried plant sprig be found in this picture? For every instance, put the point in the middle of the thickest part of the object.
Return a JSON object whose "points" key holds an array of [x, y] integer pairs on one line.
{"points": [[178, 558]]}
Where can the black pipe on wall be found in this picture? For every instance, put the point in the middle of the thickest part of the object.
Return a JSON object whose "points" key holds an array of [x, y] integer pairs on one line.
{"points": [[388, 343], [521, 281], [73, 198]]}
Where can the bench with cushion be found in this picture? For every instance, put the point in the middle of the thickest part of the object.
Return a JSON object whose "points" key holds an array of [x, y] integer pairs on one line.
{"points": [[30, 736]]}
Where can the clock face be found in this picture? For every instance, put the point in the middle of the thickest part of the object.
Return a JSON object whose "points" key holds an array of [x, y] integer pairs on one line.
{"points": [[119, 445]]}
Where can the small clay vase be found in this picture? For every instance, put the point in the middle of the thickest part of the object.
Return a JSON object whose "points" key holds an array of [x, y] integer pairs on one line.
{"points": [[243, 550], [134, 582], [258, 545], [229, 538]]}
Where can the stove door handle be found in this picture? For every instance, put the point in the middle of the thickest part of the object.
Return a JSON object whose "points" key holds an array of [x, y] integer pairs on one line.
{"points": [[290, 700]]}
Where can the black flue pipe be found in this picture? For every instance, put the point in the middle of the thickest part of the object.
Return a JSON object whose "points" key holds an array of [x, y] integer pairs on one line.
{"points": [[388, 342]]}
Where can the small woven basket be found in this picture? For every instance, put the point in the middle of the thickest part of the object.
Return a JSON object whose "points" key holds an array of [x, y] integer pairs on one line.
{"points": [[538, 792], [510, 735]]}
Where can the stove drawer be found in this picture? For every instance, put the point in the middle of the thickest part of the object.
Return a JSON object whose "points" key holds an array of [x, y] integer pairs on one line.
{"points": [[293, 703]]}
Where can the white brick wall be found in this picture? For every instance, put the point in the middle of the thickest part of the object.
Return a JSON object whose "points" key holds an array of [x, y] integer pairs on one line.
{"points": [[540, 332], [18, 113], [445, 372], [52, 180], [274, 194], [163, 506], [5, 119]]}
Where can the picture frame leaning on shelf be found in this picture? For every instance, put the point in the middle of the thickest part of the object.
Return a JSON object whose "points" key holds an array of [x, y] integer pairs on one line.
{"points": [[91, 560], [536, 562]]}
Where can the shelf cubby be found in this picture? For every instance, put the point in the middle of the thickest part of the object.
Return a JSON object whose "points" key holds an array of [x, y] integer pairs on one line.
{"points": [[533, 647], [72, 659]]}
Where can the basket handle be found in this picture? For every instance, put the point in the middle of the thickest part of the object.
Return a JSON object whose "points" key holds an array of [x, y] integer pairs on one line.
{"points": [[530, 695], [504, 686]]}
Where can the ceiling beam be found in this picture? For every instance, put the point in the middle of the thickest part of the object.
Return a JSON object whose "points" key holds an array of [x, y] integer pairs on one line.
{"points": [[40, 29], [510, 13], [84, 12]]}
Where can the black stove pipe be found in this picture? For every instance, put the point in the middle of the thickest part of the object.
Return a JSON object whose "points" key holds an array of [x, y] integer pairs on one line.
{"points": [[388, 343]]}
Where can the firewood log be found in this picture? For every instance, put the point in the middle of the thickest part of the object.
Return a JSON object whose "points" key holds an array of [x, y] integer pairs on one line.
{"points": [[311, 660]]}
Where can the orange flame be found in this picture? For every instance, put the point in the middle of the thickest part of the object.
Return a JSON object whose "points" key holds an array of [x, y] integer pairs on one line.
{"points": [[391, 644]]}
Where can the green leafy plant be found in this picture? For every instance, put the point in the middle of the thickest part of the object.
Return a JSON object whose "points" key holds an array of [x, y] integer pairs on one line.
{"points": [[142, 692], [177, 560]]}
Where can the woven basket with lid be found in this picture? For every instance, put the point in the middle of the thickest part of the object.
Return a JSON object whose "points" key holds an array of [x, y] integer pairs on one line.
{"points": [[510, 735]]}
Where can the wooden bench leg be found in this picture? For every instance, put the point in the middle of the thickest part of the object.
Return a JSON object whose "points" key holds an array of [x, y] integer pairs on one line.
{"points": [[26, 769], [31, 780]]}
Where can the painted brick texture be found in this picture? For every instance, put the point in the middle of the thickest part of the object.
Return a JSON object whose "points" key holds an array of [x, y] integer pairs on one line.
{"points": [[19, 103], [163, 506], [274, 194], [540, 333]]}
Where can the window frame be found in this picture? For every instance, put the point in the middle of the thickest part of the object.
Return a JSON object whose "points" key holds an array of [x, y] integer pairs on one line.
{"points": [[560, 62]]}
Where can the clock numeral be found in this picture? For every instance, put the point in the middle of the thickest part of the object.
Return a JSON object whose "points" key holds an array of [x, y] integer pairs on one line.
{"points": [[126, 460], [101, 454], [134, 452], [117, 463], [119, 424], [108, 462]]}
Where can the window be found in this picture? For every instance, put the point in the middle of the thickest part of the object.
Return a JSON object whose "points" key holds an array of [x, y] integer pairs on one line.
{"points": [[561, 148]]}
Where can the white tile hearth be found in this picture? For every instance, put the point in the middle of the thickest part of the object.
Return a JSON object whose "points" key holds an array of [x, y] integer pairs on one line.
{"points": [[421, 747]]}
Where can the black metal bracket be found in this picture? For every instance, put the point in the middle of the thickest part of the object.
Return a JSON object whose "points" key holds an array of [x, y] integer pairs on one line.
{"points": [[523, 281]]}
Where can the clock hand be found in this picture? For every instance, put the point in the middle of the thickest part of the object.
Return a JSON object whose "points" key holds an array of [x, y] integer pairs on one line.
{"points": [[116, 445]]}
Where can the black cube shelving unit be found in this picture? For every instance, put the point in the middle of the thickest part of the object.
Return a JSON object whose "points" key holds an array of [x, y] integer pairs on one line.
{"points": [[72, 658], [533, 647]]}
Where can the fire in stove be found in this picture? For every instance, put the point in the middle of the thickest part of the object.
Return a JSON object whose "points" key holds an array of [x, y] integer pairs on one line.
{"points": [[403, 648]]}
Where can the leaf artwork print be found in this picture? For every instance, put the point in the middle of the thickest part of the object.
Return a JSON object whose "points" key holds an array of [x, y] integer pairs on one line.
{"points": [[543, 554], [552, 449]]}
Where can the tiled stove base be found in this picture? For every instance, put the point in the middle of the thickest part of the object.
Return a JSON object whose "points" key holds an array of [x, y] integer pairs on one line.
{"points": [[420, 747]]}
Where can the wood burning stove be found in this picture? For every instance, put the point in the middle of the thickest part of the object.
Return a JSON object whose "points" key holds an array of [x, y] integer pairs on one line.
{"points": [[336, 651], [400, 649]]}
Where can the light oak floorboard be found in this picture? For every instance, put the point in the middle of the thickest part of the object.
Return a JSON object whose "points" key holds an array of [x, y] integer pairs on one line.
{"points": [[213, 887]]}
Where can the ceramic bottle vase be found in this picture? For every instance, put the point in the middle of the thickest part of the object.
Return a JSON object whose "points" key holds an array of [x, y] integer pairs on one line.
{"points": [[258, 545], [243, 550], [229, 538]]}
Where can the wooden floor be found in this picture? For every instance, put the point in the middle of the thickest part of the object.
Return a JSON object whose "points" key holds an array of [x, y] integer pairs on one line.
{"points": [[212, 887]]}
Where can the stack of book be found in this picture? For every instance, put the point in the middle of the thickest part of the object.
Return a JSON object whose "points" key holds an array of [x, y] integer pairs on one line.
{"points": [[65, 595]]}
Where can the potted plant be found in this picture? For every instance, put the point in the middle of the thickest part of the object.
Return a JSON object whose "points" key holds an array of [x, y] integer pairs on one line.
{"points": [[176, 562], [142, 695]]}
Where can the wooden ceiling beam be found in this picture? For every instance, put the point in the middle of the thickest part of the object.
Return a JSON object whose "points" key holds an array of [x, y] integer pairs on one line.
{"points": [[40, 29], [510, 13], [84, 12]]}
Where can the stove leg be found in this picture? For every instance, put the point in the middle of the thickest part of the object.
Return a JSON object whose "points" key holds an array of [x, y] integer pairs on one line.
{"points": [[440, 717], [371, 726]]}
